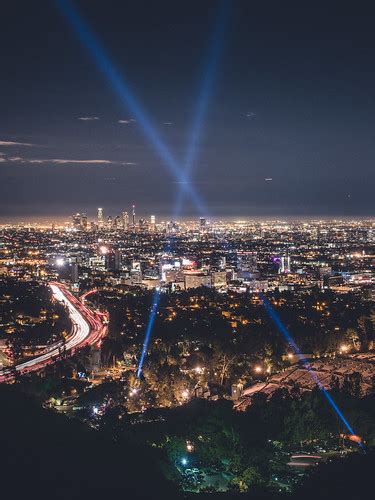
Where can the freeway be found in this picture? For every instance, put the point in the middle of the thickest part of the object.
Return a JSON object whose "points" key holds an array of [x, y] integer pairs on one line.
{"points": [[88, 328]]}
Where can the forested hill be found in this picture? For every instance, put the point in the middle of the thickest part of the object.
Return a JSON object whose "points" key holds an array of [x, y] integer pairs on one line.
{"points": [[45, 455]]}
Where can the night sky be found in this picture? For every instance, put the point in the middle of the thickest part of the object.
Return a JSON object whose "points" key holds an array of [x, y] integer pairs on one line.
{"points": [[293, 101]]}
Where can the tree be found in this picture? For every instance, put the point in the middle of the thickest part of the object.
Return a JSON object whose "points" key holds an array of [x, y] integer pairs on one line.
{"points": [[247, 478], [353, 337]]}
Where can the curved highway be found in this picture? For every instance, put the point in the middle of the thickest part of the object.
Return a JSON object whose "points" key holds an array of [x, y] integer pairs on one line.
{"points": [[87, 328]]}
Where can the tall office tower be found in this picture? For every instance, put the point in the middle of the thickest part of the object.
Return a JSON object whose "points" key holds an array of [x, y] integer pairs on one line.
{"points": [[84, 222], [125, 221], [118, 222], [133, 217], [109, 222], [284, 264], [76, 220], [202, 224], [100, 218], [152, 223]]}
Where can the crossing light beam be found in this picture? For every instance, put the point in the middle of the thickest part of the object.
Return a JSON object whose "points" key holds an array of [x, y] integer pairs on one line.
{"points": [[126, 96], [196, 131], [209, 77]]}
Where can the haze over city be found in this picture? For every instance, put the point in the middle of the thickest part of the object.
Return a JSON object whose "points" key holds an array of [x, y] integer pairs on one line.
{"points": [[187, 250], [291, 101]]}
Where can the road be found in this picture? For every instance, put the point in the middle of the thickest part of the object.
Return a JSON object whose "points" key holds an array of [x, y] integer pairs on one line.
{"points": [[88, 328]]}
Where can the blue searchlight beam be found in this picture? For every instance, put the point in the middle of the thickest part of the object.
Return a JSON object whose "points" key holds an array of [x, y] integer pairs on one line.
{"points": [[150, 324], [210, 75], [201, 109], [285, 333], [127, 98]]}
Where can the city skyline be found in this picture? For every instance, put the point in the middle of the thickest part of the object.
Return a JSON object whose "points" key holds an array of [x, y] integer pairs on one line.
{"points": [[187, 250], [287, 133]]}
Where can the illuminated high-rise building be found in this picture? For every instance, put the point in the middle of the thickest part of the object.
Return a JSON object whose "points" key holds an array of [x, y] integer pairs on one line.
{"points": [[152, 223], [84, 222], [100, 218], [202, 224], [109, 222], [125, 220], [284, 264], [76, 220], [133, 216], [118, 222]]}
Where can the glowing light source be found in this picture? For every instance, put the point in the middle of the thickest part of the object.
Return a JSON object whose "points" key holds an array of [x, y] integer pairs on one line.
{"points": [[60, 262], [126, 97], [150, 324], [344, 348], [284, 331], [210, 71], [192, 147], [189, 446]]}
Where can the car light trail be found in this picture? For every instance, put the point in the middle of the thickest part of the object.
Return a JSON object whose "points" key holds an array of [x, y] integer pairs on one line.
{"points": [[127, 98], [87, 328], [285, 333]]}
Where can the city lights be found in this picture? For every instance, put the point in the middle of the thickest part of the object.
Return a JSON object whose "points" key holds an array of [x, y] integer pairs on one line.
{"points": [[344, 348], [187, 250], [189, 446]]}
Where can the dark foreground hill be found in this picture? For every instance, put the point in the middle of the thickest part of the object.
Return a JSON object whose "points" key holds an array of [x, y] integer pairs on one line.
{"points": [[46, 455]]}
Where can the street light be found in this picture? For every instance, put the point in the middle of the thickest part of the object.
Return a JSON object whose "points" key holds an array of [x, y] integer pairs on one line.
{"points": [[189, 446]]}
